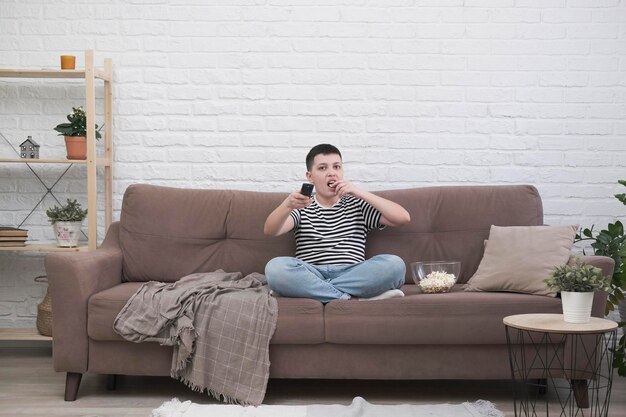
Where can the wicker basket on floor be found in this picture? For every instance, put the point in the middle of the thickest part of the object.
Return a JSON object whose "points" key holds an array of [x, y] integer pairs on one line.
{"points": [[44, 312]]}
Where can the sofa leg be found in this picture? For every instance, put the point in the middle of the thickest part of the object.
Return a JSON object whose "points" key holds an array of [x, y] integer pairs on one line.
{"points": [[111, 382], [72, 382], [579, 386]]}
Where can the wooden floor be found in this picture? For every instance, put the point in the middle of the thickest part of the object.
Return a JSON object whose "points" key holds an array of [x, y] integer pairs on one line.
{"points": [[30, 387]]}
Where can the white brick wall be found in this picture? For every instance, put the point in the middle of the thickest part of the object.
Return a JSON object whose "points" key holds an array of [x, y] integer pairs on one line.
{"points": [[232, 93]]}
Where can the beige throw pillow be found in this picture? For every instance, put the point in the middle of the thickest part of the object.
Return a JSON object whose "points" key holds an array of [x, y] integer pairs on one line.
{"points": [[519, 258]]}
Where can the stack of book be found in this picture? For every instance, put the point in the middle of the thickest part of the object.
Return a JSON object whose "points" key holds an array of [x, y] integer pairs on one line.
{"points": [[12, 236]]}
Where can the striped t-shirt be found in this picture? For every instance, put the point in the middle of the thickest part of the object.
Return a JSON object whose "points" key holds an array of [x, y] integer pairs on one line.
{"points": [[334, 235]]}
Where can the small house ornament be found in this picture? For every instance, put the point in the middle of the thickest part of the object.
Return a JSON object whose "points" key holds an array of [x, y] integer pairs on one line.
{"points": [[29, 149]]}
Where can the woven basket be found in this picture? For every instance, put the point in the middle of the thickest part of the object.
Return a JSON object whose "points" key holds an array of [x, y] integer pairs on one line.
{"points": [[44, 315]]}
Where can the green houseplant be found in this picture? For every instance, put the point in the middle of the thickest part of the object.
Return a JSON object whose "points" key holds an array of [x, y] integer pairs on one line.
{"points": [[75, 132], [577, 283], [612, 242], [67, 221], [579, 277]]}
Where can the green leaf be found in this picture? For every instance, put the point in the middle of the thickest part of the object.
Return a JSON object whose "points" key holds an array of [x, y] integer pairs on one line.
{"points": [[604, 238], [616, 229]]}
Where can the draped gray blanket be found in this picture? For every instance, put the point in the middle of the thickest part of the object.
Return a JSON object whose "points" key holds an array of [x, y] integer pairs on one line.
{"points": [[220, 325]]}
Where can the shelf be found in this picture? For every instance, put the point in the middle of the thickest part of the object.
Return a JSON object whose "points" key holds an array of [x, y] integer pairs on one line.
{"points": [[88, 75], [44, 161], [22, 334], [42, 248], [99, 161], [51, 73]]}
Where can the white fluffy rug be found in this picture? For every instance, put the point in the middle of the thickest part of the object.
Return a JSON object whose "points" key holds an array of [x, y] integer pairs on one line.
{"points": [[358, 408]]}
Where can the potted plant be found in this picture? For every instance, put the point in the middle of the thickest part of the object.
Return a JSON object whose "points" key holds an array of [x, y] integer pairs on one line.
{"points": [[577, 283], [67, 221], [612, 242], [75, 132]]}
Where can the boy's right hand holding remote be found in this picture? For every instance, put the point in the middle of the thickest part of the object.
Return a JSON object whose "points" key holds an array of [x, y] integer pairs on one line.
{"points": [[297, 201]]}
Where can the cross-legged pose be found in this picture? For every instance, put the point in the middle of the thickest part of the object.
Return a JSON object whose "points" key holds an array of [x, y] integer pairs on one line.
{"points": [[330, 231]]}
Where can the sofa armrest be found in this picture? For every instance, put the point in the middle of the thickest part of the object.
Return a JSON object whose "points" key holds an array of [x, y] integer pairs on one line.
{"points": [[73, 278], [606, 264]]}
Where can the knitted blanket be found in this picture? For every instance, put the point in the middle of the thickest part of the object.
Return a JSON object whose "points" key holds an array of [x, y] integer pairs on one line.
{"points": [[220, 325]]}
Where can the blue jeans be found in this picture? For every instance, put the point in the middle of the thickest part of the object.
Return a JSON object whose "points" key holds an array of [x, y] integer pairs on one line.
{"points": [[291, 277]]}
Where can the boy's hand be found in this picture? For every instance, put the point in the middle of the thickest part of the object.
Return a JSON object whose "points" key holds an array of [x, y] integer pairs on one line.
{"points": [[297, 200], [343, 187]]}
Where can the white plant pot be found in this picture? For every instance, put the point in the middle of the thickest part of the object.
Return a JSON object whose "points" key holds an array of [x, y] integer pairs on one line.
{"points": [[67, 233], [576, 306]]}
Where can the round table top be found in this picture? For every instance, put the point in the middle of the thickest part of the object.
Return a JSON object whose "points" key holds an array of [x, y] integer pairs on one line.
{"points": [[554, 323]]}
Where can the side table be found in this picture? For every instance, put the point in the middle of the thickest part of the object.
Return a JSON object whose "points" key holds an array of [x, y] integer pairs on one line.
{"points": [[560, 368]]}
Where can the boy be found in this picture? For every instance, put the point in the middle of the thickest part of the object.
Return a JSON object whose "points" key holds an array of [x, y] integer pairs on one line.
{"points": [[330, 231]]}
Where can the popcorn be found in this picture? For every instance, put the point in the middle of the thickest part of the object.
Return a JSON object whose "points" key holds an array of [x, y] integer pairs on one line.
{"points": [[437, 281]]}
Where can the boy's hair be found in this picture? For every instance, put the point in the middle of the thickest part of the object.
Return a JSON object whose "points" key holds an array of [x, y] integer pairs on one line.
{"points": [[324, 149]]}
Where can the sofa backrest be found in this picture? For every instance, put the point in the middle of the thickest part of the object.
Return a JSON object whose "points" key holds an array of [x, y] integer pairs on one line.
{"points": [[452, 223], [167, 233]]}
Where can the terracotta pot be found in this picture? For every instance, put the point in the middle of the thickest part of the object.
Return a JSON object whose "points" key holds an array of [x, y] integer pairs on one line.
{"points": [[76, 147]]}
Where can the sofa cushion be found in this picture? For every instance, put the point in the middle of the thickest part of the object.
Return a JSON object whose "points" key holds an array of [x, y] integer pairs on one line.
{"points": [[456, 317], [519, 259], [300, 321]]}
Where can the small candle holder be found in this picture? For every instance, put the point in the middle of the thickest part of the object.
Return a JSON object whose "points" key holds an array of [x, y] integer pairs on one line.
{"points": [[68, 62]]}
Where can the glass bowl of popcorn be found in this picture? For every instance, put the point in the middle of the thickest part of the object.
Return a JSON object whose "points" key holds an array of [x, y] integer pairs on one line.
{"points": [[435, 276]]}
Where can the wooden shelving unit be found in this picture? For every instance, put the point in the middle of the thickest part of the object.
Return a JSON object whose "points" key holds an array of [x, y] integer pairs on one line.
{"points": [[88, 75]]}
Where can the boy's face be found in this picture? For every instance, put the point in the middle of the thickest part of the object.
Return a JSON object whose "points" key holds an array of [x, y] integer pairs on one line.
{"points": [[326, 170]]}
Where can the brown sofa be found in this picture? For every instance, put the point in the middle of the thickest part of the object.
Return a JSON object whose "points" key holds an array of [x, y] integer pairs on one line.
{"points": [[166, 233]]}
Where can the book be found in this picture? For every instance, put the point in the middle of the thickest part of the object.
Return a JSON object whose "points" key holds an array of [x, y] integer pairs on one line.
{"points": [[13, 238], [12, 231], [12, 244]]}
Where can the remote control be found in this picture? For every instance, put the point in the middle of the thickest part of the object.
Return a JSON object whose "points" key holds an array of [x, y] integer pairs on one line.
{"points": [[307, 189]]}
